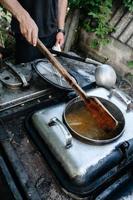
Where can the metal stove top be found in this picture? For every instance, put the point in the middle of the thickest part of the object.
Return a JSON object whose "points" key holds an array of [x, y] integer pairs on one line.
{"points": [[13, 97], [80, 157], [13, 92], [38, 87]]}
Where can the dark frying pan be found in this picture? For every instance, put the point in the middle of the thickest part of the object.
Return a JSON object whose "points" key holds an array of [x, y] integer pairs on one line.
{"points": [[74, 119]]}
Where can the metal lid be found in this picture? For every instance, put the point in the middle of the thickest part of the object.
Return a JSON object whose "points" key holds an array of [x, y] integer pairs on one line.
{"points": [[49, 73], [46, 70]]}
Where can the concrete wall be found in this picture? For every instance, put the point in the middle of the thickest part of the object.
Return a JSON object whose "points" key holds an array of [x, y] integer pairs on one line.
{"points": [[120, 49], [115, 53]]}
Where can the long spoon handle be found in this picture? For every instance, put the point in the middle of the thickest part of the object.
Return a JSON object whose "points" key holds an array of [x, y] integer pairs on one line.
{"points": [[103, 117], [61, 70]]}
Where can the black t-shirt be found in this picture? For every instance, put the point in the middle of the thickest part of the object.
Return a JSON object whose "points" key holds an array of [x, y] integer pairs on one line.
{"points": [[44, 13]]}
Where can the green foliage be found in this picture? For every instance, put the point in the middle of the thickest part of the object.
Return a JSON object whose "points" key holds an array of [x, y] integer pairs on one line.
{"points": [[95, 16], [128, 4], [130, 64], [5, 18]]}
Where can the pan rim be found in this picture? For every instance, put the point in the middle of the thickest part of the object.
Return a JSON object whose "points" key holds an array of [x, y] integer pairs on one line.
{"points": [[87, 139]]}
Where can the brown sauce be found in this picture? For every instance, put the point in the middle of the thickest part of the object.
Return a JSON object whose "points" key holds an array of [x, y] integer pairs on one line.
{"points": [[80, 120]]}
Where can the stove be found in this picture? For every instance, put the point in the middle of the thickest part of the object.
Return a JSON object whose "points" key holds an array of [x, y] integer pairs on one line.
{"points": [[82, 162], [77, 167], [11, 96], [21, 83]]}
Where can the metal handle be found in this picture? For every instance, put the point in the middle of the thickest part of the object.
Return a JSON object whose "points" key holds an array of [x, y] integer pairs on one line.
{"points": [[55, 121], [91, 61], [19, 75], [124, 98], [23, 79], [61, 70], [77, 58]]}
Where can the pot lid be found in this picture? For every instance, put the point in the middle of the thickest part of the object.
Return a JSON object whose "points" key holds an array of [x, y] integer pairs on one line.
{"points": [[49, 73]]}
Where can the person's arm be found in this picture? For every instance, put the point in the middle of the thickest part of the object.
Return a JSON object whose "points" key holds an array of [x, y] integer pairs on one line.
{"points": [[62, 8], [28, 27]]}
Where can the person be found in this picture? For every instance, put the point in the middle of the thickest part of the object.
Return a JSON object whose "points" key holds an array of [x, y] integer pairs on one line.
{"points": [[32, 19]]}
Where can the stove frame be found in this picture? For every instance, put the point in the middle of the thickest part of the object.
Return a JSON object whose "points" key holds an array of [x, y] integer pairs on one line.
{"points": [[38, 98], [112, 172]]}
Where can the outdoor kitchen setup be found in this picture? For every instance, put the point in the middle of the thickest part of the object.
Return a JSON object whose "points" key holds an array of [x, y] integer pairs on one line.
{"points": [[38, 103]]}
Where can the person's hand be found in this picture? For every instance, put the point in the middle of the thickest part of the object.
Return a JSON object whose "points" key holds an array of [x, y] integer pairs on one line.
{"points": [[29, 29], [60, 39]]}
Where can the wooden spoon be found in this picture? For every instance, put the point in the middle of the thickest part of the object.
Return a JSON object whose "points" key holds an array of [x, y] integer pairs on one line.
{"points": [[103, 117]]}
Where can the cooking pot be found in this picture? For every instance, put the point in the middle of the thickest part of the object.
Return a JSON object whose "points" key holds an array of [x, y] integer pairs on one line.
{"points": [[82, 125]]}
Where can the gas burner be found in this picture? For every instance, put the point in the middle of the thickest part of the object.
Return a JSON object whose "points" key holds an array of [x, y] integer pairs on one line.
{"points": [[12, 97], [14, 77], [20, 84]]}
